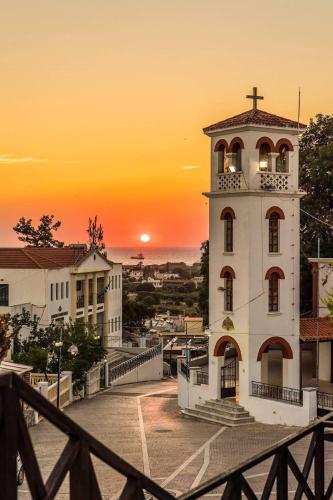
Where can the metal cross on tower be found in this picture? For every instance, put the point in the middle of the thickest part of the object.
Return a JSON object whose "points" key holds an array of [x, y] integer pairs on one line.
{"points": [[254, 97]]}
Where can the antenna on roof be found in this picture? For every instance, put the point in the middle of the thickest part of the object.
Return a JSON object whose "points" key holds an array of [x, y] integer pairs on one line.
{"points": [[299, 107]]}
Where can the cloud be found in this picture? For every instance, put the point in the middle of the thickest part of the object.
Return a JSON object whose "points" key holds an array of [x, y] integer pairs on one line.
{"points": [[10, 159], [189, 167]]}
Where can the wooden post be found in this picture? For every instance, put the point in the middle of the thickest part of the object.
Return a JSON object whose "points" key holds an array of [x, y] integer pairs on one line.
{"points": [[319, 465], [282, 477], [9, 407]]}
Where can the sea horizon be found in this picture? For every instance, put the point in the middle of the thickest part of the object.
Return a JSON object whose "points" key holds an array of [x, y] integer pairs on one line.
{"points": [[154, 255]]}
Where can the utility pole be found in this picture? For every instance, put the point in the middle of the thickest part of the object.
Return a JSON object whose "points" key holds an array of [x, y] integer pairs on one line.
{"points": [[317, 307]]}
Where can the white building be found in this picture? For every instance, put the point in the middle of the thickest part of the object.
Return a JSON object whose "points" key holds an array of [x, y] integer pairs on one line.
{"points": [[136, 274], [57, 284], [155, 282], [254, 323]]}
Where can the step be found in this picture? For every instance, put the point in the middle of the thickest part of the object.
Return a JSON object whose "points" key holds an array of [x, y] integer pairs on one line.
{"points": [[207, 417], [222, 411], [223, 417], [223, 403]]}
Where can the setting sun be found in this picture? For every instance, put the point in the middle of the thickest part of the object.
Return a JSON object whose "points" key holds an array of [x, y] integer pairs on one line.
{"points": [[145, 238]]}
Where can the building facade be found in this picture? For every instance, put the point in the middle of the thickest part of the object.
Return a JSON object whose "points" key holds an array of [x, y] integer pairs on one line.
{"points": [[59, 284]]}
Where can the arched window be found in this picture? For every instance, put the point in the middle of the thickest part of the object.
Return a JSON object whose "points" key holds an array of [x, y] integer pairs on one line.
{"points": [[273, 302], [228, 233], [273, 233], [228, 216], [264, 157], [283, 147], [274, 214], [228, 294], [221, 148], [221, 159], [237, 156], [274, 275], [235, 149], [229, 275]]}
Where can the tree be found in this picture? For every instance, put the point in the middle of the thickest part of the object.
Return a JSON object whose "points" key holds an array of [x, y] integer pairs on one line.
{"points": [[316, 179], [42, 235], [10, 329], [39, 349], [204, 289], [96, 236]]}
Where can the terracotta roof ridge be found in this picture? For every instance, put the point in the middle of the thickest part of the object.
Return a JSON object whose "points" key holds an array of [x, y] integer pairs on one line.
{"points": [[23, 250], [48, 259]]}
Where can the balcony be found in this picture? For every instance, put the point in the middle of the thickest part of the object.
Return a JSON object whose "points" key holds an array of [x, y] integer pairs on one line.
{"points": [[231, 181], [273, 181]]}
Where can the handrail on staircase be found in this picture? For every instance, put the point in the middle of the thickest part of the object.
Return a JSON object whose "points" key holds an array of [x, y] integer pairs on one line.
{"points": [[130, 364]]}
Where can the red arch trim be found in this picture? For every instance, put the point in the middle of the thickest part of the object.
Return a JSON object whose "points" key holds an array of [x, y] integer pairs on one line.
{"points": [[221, 344], [286, 142], [235, 141], [227, 211], [273, 270], [227, 269], [276, 210], [285, 347], [219, 143], [267, 140]]}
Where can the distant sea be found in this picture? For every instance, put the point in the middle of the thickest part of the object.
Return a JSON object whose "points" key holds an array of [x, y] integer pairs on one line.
{"points": [[189, 255]]}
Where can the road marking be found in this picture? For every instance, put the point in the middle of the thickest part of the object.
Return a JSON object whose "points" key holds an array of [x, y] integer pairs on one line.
{"points": [[203, 469], [192, 457]]}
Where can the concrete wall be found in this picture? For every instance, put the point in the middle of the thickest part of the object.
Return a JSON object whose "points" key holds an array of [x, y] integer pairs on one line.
{"points": [[151, 370], [269, 411], [325, 361]]}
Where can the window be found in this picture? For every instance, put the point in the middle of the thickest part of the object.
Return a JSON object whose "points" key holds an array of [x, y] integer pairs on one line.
{"points": [[112, 325], [4, 295], [274, 214], [67, 289], [57, 291], [282, 159], [79, 285], [229, 275], [62, 290], [264, 157], [116, 281], [273, 302], [228, 233], [221, 166], [51, 291], [283, 148], [273, 233], [274, 275], [237, 157], [228, 216], [112, 282], [228, 294]]}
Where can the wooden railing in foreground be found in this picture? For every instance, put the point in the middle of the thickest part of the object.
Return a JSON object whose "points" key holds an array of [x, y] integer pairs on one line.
{"points": [[83, 484], [75, 458], [276, 485]]}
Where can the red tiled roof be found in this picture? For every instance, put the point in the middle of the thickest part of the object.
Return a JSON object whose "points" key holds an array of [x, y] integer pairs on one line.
{"points": [[254, 117], [308, 329], [40, 258]]}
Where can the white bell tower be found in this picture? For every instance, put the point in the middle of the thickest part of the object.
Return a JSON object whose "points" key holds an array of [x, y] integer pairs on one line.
{"points": [[254, 254]]}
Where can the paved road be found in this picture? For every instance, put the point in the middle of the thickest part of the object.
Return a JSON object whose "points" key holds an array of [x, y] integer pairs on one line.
{"points": [[142, 423]]}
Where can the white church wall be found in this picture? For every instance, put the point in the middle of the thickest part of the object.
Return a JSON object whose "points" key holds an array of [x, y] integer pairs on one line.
{"points": [[325, 361], [269, 411]]}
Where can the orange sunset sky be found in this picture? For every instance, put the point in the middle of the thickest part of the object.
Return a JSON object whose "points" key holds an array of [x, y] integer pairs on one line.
{"points": [[102, 104]]}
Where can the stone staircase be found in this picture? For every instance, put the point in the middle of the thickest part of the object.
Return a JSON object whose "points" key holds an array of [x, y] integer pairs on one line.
{"points": [[220, 411]]}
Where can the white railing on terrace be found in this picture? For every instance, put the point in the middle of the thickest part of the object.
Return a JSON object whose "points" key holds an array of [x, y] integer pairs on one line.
{"points": [[129, 365]]}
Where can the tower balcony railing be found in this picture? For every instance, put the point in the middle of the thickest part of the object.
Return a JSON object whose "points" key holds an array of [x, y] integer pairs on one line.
{"points": [[273, 181], [231, 181]]}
